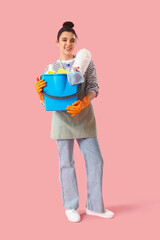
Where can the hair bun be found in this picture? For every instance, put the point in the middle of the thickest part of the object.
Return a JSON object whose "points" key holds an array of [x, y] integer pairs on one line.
{"points": [[68, 24]]}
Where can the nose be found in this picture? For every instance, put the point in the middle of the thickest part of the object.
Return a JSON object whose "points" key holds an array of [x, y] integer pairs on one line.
{"points": [[68, 43], [68, 46]]}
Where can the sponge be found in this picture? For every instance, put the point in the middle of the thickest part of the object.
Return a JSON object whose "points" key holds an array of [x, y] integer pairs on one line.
{"points": [[61, 70]]}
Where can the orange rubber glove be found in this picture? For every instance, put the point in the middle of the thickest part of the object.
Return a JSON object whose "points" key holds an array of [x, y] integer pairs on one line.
{"points": [[78, 106], [39, 87]]}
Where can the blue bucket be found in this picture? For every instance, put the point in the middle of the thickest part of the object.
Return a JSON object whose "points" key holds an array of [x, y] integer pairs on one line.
{"points": [[58, 93]]}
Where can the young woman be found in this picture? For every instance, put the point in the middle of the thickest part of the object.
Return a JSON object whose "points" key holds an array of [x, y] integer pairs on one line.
{"points": [[78, 122]]}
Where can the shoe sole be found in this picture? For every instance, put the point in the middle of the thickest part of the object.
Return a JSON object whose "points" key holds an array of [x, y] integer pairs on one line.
{"points": [[74, 221], [89, 212]]}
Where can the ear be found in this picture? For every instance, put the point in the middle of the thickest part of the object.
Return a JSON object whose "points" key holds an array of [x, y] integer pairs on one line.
{"points": [[57, 42]]}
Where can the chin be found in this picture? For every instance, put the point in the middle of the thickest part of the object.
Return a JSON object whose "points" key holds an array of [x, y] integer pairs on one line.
{"points": [[69, 53]]}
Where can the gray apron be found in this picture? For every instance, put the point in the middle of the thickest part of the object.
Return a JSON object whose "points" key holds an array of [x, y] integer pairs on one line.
{"points": [[83, 125]]}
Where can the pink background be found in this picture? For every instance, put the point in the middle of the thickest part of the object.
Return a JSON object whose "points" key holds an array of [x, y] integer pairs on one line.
{"points": [[123, 37]]}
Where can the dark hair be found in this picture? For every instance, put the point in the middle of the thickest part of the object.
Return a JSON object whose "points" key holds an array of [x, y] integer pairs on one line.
{"points": [[67, 27]]}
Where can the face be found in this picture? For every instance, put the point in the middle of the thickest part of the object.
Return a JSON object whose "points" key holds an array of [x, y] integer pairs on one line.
{"points": [[66, 43]]}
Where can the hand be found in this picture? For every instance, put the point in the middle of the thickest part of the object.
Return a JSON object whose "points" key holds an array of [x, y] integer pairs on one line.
{"points": [[78, 106], [39, 87]]}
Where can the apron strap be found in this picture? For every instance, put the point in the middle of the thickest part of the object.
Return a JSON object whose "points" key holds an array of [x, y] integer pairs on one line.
{"points": [[60, 62]]}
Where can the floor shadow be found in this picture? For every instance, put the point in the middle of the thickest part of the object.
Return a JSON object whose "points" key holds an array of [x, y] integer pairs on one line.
{"points": [[125, 208]]}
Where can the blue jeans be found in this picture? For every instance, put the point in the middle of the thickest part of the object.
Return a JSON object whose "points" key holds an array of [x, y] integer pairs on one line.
{"points": [[94, 171]]}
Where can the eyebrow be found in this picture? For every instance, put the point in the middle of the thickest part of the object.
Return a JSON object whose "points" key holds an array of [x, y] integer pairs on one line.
{"points": [[66, 38]]}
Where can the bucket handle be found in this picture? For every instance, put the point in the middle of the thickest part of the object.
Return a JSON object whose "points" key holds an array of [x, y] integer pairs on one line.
{"points": [[66, 97]]}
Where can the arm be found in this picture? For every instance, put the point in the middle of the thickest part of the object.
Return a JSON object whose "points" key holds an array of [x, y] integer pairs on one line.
{"points": [[91, 91], [91, 80], [91, 95]]}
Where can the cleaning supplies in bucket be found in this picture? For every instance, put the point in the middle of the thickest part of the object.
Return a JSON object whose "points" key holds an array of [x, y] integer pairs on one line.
{"points": [[62, 88], [75, 77], [50, 70]]}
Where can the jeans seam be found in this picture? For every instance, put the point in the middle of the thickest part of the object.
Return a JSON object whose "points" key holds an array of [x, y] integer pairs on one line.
{"points": [[88, 194], [62, 186], [59, 152]]}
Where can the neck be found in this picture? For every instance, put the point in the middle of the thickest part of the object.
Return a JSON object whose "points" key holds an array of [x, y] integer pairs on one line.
{"points": [[66, 57]]}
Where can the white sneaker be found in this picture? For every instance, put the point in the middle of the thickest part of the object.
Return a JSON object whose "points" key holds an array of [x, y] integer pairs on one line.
{"points": [[106, 214], [73, 215]]}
